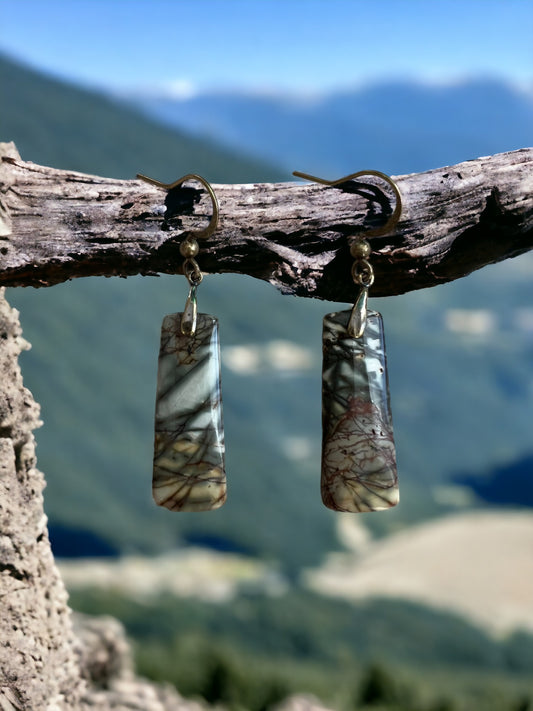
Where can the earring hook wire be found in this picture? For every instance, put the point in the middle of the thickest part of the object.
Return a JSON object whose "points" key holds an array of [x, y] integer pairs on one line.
{"points": [[213, 222], [393, 219]]}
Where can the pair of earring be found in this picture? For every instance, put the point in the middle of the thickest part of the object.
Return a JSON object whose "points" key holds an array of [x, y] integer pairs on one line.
{"points": [[358, 453]]}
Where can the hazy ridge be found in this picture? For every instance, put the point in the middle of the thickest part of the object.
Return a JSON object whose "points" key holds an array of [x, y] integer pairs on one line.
{"points": [[397, 127]]}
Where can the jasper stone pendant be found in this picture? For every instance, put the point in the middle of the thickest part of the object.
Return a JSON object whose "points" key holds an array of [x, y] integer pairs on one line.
{"points": [[189, 470], [358, 454]]}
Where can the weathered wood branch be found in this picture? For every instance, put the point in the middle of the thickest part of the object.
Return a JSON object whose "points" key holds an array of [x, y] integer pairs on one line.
{"points": [[57, 225]]}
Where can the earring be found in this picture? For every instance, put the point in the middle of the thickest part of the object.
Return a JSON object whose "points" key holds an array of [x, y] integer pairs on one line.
{"points": [[358, 454], [189, 472]]}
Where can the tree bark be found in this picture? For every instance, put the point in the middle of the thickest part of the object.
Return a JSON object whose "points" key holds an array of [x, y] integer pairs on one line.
{"points": [[57, 225]]}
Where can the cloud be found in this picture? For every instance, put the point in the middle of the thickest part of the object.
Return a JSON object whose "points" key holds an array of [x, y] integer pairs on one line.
{"points": [[179, 89], [274, 356]]}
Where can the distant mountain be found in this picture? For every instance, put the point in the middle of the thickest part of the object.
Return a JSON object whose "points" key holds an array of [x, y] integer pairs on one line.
{"points": [[459, 397], [61, 125], [397, 127]]}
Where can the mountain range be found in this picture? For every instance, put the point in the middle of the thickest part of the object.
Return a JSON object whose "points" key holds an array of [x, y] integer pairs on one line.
{"points": [[397, 127], [62, 125], [461, 393]]}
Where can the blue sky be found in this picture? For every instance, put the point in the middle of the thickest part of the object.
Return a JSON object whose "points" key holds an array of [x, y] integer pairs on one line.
{"points": [[288, 45]]}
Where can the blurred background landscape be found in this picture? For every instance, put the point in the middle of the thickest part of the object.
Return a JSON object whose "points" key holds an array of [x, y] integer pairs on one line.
{"points": [[428, 606]]}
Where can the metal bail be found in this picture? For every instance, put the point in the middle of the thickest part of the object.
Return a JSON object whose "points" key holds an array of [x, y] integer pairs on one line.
{"points": [[188, 319], [357, 322]]}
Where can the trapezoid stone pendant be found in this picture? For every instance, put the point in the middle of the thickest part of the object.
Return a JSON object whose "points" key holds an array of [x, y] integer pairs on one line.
{"points": [[358, 454], [189, 472]]}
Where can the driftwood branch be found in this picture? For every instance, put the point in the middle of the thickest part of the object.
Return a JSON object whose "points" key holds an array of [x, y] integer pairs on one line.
{"points": [[57, 225]]}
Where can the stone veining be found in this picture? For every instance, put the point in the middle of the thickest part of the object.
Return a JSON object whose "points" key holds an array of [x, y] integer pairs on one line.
{"points": [[358, 453], [189, 472]]}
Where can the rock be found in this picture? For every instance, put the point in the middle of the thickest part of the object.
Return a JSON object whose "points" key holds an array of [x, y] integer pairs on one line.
{"points": [[301, 702], [47, 663], [103, 651], [38, 667]]}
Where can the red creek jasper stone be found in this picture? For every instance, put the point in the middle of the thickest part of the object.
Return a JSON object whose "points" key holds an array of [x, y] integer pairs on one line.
{"points": [[189, 472], [358, 454]]}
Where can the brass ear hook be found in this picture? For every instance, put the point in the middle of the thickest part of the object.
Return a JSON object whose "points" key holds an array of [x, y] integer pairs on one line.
{"points": [[213, 223], [393, 219]]}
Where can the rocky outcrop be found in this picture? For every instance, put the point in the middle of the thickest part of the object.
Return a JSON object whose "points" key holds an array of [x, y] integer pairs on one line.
{"points": [[38, 667], [301, 702], [106, 665], [49, 660]]}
